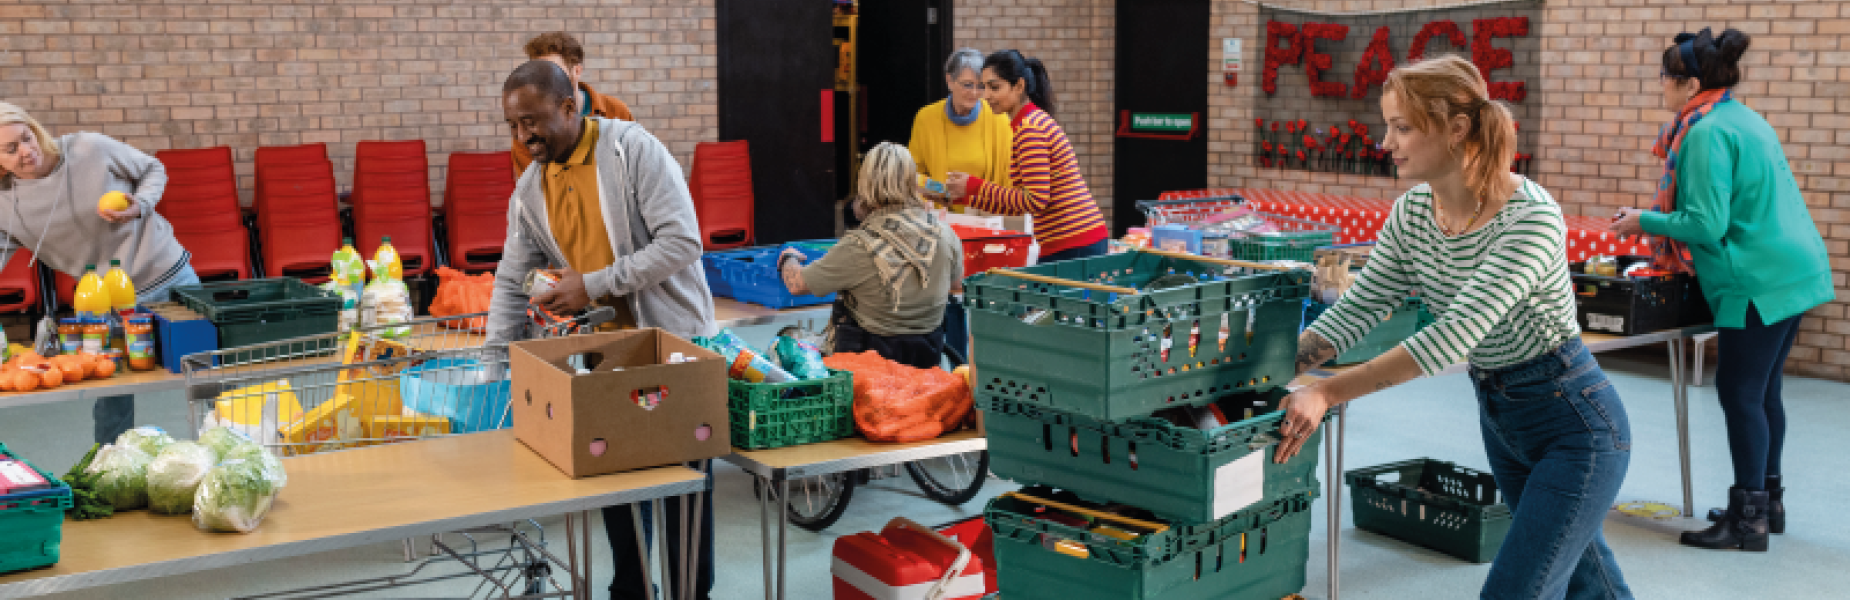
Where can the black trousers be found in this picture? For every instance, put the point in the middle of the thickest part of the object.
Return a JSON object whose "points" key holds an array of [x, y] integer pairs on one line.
{"points": [[1748, 374], [922, 351], [621, 530]]}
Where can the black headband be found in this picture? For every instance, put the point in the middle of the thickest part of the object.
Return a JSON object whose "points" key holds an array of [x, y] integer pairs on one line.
{"points": [[1686, 46]]}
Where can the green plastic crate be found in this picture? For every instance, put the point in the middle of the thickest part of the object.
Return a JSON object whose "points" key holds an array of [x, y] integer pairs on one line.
{"points": [[774, 415], [258, 311], [1296, 239], [1180, 473], [1432, 503], [1408, 320], [32, 523], [1258, 554], [1102, 354]]}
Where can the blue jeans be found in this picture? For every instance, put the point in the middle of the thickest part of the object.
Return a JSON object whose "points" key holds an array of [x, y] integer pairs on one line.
{"points": [[1559, 443], [113, 415]]}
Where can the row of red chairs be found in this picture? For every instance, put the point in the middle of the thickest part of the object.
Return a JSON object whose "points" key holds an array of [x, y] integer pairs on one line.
{"points": [[295, 223]]}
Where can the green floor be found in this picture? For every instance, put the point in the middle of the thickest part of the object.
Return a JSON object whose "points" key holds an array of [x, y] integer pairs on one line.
{"points": [[1432, 417]]}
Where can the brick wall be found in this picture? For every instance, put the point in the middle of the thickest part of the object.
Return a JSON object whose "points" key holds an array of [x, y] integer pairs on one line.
{"points": [[1600, 112], [1076, 40], [199, 73]]}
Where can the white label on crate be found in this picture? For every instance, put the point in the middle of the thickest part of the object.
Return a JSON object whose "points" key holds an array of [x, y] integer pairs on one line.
{"points": [[1612, 323], [994, 248], [18, 474], [1240, 483], [964, 585]]}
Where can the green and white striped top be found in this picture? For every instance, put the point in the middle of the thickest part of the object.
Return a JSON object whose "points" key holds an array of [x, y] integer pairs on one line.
{"points": [[1502, 294]]}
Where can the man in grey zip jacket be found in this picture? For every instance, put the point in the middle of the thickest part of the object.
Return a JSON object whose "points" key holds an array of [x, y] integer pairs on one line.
{"points": [[649, 219]]}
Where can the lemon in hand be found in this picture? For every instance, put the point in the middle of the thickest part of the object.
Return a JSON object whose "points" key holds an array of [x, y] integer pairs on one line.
{"points": [[113, 201]]}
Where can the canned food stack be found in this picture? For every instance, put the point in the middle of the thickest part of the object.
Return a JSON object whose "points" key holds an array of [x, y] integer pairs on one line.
{"points": [[1134, 394]]}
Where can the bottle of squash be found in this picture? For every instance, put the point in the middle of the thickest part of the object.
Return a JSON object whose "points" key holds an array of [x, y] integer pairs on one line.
{"points": [[92, 296], [121, 289]]}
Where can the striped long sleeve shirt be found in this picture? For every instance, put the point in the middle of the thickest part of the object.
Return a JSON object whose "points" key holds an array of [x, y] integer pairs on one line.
{"points": [[1046, 184], [1502, 294]]}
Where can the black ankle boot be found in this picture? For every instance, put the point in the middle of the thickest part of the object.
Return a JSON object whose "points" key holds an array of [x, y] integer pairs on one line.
{"points": [[1776, 506], [1744, 526]]}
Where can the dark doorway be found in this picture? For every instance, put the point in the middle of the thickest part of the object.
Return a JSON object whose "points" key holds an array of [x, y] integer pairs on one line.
{"points": [[776, 91], [903, 47], [1162, 76]]}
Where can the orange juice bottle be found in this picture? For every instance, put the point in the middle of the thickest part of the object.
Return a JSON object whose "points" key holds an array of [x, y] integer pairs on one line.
{"points": [[121, 290], [92, 297], [385, 261]]}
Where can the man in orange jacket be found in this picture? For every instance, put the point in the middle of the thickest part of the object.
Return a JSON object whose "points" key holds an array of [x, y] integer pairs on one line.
{"points": [[560, 48]]}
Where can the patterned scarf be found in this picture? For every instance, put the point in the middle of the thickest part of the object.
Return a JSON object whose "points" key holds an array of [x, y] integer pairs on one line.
{"points": [[902, 240], [950, 110], [1669, 254]]}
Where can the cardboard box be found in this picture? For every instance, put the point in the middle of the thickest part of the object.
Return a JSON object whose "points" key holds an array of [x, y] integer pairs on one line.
{"points": [[592, 424]]}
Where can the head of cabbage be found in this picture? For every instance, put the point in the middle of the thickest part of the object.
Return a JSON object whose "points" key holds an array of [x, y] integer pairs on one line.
{"points": [[122, 476], [222, 439], [148, 438], [174, 476], [237, 494]]}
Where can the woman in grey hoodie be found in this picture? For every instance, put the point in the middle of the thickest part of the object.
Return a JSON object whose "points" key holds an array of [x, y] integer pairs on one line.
{"points": [[49, 190]]}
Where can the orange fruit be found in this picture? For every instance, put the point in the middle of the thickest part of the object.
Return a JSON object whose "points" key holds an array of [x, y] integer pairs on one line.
{"points": [[51, 378], [104, 369], [25, 381]]}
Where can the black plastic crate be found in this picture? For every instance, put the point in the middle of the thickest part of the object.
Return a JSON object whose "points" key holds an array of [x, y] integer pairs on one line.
{"points": [[1632, 305]]}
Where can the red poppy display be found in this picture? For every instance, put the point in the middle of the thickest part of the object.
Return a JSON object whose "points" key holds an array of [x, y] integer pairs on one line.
{"points": [[1377, 60]]}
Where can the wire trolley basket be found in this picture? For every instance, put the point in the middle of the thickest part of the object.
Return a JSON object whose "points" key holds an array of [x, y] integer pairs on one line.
{"points": [[373, 385], [1192, 210]]}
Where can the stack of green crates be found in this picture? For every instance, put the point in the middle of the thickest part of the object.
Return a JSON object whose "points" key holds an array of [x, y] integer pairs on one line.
{"points": [[1070, 377]]}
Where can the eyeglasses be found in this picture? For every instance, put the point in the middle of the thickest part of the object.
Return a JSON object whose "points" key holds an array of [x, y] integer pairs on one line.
{"points": [[969, 87]]}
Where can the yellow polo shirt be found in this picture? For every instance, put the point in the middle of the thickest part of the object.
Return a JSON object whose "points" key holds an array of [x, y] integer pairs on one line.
{"points": [[574, 209]]}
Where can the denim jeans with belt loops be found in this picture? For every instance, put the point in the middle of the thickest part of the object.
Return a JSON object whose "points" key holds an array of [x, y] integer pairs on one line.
{"points": [[1559, 443]]}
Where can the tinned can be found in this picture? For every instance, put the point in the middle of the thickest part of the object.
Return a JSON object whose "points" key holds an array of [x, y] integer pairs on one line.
{"points": [[539, 282]]}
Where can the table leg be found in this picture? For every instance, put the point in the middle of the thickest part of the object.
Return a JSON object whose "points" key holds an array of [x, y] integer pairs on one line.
{"points": [[764, 530], [783, 517], [698, 543], [642, 548], [661, 546], [1680, 385], [579, 584], [1332, 482], [680, 571], [584, 539]]}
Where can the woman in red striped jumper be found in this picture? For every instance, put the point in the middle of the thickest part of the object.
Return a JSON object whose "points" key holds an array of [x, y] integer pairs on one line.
{"points": [[1043, 168]]}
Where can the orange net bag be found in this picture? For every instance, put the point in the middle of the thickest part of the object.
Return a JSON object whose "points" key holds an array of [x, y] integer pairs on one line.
{"points": [[898, 403], [460, 293]]}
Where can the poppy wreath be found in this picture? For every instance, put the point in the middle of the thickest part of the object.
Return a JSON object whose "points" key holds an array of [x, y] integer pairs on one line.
{"points": [[1315, 64], [1488, 57], [1448, 29], [1275, 57], [1377, 61]]}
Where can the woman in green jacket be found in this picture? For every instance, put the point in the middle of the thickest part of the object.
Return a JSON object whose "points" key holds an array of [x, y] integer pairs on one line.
{"points": [[1729, 210]]}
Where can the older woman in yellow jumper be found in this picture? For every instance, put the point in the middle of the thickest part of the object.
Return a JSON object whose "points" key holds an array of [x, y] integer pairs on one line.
{"points": [[960, 133]]}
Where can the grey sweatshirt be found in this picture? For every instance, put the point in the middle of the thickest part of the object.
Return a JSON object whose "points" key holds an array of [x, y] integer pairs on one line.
{"points": [[649, 216], [55, 216]]}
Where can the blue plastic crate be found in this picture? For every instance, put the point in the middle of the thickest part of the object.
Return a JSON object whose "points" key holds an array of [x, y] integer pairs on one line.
{"points": [[753, 277], [710, 263], [174, 340], [452, 388]]}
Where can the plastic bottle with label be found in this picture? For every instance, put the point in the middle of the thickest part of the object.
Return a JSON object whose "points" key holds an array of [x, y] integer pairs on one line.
{"points": [[387, 301], [350, 280], [121, 289], [92, 299]]}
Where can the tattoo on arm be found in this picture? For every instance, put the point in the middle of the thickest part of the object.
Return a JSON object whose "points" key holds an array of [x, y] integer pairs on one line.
{"points": [[793, 277], [1313, 351]]}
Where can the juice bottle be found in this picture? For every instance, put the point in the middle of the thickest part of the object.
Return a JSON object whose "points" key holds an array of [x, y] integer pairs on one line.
{"points": [[350, 279], [121, 290], [387, 265], [92, 298]]}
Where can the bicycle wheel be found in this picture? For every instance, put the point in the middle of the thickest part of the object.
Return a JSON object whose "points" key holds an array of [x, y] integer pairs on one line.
{"points": [[953, 479], [815, 503]]}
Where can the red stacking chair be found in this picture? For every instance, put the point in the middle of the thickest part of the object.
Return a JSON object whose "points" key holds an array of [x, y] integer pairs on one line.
{"points": [[298, 215], [19, 283], [391, 198], [475, 205], [722, 188], [201, 202]]}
